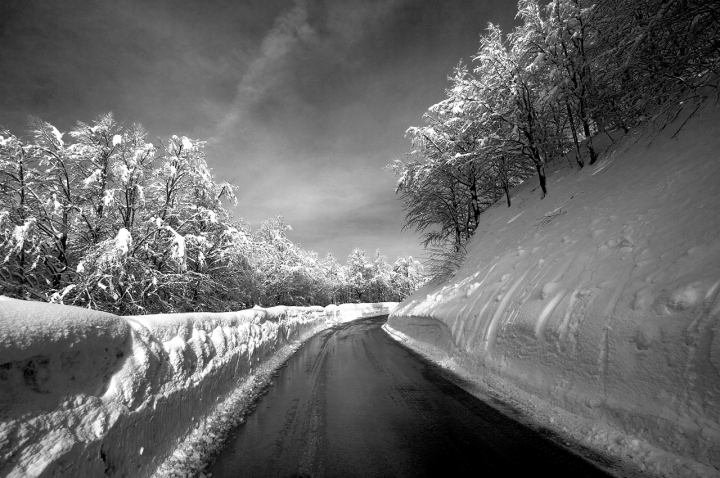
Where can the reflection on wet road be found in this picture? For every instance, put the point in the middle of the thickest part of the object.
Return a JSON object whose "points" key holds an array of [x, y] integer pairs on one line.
{"points": [[353, 402]]}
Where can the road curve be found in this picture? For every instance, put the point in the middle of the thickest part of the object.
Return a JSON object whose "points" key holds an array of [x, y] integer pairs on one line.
{"points": [[353, 402]]}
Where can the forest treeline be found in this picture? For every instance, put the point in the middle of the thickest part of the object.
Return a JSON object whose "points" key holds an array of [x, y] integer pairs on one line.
{"points": [[572, 70], [110, 221]]}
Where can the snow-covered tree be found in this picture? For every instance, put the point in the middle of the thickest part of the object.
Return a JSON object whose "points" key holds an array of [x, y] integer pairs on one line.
{"points": [[652, 56], [555, 40], [573, 68], [22, 246], [102, 218], [407, 276], [359, 274]]}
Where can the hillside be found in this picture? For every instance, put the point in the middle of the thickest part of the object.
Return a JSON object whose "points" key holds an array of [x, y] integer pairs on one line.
{"points": [[602, 300]]}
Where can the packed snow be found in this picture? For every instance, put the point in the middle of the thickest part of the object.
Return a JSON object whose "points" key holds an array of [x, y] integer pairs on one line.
{"points": [[87, 393], [601, 300]]}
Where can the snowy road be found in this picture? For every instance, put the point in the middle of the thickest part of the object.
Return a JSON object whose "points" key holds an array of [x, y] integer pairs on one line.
{"points": [[353, 402]]}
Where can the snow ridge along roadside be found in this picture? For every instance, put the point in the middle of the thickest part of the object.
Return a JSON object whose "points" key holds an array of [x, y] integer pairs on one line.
{"points": [[603, 299], [86, 393]]}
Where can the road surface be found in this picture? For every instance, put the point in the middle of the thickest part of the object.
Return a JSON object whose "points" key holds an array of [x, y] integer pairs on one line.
{"points": [[354, 402]]}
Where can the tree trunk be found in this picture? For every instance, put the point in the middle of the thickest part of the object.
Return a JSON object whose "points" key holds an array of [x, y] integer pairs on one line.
{"points": [[504, 178], [540, 167], [475, 208], [578, 158], [588, 139]]}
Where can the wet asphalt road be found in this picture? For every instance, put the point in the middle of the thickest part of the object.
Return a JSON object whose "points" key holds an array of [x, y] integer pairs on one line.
{"points": [[353, 402]]}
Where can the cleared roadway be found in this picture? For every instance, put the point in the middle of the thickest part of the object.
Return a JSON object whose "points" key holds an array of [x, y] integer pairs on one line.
{"points": [[353, 402]]}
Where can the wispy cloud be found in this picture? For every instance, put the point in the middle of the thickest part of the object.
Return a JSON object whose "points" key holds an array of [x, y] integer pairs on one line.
{"points": [[322, 31], [290, 29]]}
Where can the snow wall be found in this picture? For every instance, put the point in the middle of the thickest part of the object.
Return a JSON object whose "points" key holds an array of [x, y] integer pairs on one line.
{"points": [[603, 298], [86, 393]]}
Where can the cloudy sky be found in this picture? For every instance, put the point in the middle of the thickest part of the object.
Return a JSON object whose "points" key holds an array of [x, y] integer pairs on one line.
{"points": [[303, 102]]}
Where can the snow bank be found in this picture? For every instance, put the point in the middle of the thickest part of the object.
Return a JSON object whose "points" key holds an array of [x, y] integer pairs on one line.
{"points": [[349, 312], [85, 393], [603, 298]]}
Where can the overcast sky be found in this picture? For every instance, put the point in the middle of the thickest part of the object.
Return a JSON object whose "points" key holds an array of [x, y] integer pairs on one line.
{"points": [[303, 102]]}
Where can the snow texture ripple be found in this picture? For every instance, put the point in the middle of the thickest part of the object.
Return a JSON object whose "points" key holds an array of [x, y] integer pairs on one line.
{"points": [[603, 298]]}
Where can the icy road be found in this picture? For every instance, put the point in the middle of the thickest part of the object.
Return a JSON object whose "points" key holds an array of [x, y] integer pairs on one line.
{"points": [[353, 402]]}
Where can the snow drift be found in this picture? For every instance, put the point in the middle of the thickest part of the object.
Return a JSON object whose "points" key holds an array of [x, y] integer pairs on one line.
{"points": [[86, 393], [603, 298], [350, 312]]}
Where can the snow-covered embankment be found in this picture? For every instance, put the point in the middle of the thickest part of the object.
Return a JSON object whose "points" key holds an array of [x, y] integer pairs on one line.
{"points": [[86, 393], [602, 299]]}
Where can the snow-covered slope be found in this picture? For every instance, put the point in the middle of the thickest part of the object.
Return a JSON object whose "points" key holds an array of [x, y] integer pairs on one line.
{"points": [[603, 298], [85, 393]]}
